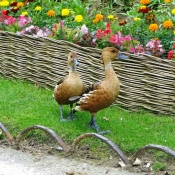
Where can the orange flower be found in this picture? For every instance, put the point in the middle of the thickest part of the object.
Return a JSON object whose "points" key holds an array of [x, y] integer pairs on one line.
{"points": [[144, 2], [123, 22], [168, 24], [150, 17], [20, 4], [95, 20], [99, 17], [153, 27], [51, 13]]}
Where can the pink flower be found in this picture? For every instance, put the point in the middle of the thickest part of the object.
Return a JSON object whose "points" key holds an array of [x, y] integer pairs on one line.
{"points": [[117, 39], [153, 43], [30, 30], [23, 21], [100, 34], [138, 49], [84, 29], [127, 38], [44, 32], [9, 20], [155, 46], [61, 23]]}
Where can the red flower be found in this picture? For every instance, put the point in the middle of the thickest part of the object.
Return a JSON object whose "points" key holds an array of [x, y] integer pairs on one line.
{"points": [[171, 54], [143, 10], [5, 12], [13, 3], [108, 30], [4, 17], [25, 1], [14, 9]]}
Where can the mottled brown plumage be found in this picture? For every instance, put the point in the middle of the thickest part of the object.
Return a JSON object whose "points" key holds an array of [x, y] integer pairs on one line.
{"points": [[104, 93], [69, 86]]}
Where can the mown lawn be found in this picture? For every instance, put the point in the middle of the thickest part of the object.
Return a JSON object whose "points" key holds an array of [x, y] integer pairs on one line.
{"points": [[23, 104]]}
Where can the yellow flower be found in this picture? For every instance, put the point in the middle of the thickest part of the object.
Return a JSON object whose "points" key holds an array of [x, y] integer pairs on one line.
{"points": [[156, 38], [65, 12], [173, 11], [51, 13], [143, 7], [4, 3], [20, 4], [168, 24], [38, 8], [167, 1], [174, 32], [110, 17], [145, 2], [78, 18], [153, 27], [24, 13], [136, 19], [99, 16]]}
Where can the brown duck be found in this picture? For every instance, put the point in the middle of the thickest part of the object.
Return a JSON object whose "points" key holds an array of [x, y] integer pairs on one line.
{"points": [[101, 94], [69, 86]]}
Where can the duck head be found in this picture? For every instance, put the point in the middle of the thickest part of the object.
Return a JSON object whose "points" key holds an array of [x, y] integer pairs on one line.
{"points": [[72, 61], [111, 53]]}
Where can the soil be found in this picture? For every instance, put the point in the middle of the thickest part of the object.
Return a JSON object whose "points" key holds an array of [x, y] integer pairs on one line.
{"points": [[85, 161]]}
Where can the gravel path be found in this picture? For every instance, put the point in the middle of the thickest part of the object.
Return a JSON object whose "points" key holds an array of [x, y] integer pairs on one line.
{"points": [[20, 163]]}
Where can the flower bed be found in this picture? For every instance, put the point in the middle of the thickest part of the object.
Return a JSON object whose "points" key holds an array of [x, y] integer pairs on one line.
{"points": [[147, 27], [146, 82]]}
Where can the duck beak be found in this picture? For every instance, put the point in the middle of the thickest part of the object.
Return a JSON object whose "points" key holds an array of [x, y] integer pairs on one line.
{"points": [[122, 56], [76, 63]]}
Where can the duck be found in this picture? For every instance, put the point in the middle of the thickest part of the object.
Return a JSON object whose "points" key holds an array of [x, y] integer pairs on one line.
{"points": [[70, 85], [102, 94]]}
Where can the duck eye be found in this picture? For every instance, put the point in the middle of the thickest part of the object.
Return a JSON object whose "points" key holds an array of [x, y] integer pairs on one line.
{"points": [[113, 51]]}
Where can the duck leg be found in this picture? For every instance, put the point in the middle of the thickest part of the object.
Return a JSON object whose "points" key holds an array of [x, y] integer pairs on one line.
{"points": [[72, 100], [72, 111], [71, 116], [93, 124], [61, 114]]}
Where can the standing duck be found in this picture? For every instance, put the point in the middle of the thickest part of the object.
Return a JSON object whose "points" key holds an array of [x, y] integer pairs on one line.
{"points": [[101, 94], [69, 86]]}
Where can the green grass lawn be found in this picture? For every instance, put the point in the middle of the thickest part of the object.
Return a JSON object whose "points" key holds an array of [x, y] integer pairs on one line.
{"points": [[23, 104]]}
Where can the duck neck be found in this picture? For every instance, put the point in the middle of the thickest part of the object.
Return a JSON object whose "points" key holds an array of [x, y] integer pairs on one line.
{"points": [[109, 71], [108, 66], [72, 69]]}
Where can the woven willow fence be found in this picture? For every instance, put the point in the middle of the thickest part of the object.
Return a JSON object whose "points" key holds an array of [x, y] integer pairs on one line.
{"points": [[146, 82]]}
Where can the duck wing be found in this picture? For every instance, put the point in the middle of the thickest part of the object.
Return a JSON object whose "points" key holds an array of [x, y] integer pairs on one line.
{"points": [[92, 87], [61, 80], [95, 99]]}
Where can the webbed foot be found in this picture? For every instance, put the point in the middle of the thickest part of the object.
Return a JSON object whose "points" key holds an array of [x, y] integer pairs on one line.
{"points": [[93, 124]]}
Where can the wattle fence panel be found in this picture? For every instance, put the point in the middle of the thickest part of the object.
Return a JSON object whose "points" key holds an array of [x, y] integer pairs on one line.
{"points": [[146, 82]]}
